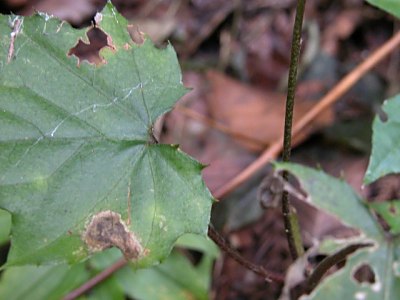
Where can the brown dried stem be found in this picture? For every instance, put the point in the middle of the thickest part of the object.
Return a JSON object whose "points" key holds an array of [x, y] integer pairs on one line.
{"points": [[257, 269]]}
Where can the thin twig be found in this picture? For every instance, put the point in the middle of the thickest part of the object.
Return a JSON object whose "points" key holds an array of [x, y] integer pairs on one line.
{"points": [[87, 286], [259, 270], [333, 95], [289, 215]]}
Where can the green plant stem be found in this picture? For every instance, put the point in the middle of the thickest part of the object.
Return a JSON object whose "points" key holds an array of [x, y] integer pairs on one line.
{"points": [[291, 223]]}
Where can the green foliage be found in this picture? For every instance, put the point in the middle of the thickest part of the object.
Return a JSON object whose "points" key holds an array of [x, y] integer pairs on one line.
{"points": [[391, 6], [76, 141], [385, 156], [175, 278], [337, 198], [45, 282]]}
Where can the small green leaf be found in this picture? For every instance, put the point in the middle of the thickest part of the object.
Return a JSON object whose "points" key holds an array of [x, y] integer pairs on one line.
{"points": [[390, 212], [385, 156], [391, 6], [198, 243], [76, 144], [335, 197]]}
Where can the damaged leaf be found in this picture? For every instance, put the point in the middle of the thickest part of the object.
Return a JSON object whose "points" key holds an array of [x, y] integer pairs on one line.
{"points": [[77, 140], [385, 156], [337, 198], [390, 212]]}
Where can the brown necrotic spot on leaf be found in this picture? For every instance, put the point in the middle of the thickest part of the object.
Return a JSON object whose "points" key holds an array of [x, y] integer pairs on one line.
{"points": [[137, 36], [106, 229], [90, 52]]}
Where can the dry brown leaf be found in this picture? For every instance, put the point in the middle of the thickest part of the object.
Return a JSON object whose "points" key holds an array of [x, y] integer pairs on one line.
{"points": [[255, 113]]}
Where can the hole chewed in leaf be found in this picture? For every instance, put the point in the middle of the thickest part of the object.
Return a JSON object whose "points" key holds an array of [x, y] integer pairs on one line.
{"points": [[364, 274], [90, 52], [106, 229]]}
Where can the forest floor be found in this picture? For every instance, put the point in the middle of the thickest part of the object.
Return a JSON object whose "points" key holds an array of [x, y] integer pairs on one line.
{"points": [[235, 57]]}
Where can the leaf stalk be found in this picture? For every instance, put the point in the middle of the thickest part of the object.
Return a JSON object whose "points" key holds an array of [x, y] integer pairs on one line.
{"points": [[292, 229]]}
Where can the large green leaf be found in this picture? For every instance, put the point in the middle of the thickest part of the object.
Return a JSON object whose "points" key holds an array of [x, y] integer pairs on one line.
{"points": [[337, 198], [385, 156], [76, 148], [391, 6]]}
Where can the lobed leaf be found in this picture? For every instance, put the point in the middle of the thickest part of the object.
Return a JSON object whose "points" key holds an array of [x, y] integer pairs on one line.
{"points": [[76, 144]]}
